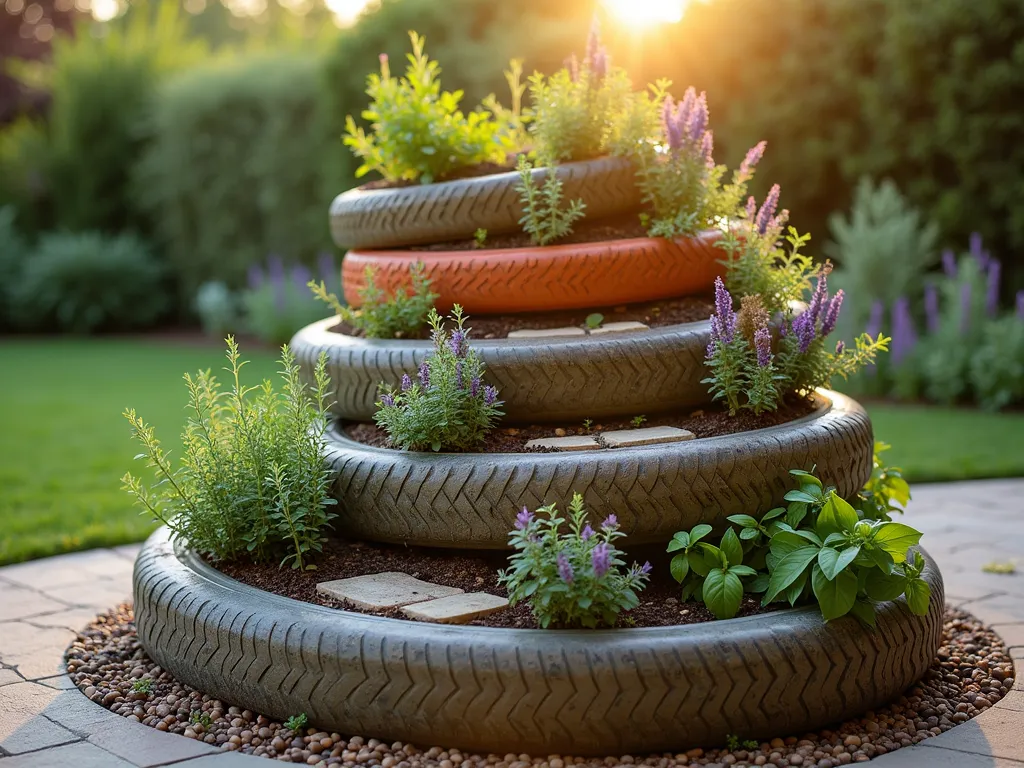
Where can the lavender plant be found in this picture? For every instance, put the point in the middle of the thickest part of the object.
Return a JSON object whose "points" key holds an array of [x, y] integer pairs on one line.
{"points": [[446, 405], [276, 303], [572, 575], [418, 132], [252, 480], [401, 315], [544, 219]]}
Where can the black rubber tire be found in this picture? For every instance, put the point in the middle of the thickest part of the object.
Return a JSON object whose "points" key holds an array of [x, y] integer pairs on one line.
{"points": [[455, 210], [562, 379], [470, 500], [484, 689]]}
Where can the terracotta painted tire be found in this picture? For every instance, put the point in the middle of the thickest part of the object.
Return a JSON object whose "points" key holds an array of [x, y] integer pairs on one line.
{"points": [[470, 500], [454, 210], [564, 379], [485, 689], [572, 276]]}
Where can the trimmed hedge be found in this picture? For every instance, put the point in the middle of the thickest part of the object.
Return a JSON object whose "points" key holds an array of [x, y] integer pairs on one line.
{"points": [[236, 167]]}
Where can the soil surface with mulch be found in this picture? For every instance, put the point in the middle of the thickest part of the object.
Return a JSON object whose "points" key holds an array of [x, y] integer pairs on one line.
{"points": [[711, 421], [972, 671], [655, 314], [475, 571], [620, 227]]}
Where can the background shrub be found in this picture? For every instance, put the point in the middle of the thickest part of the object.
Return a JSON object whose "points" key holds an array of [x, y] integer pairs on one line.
{"points": [[278, 301], [235, 168], [86, 282], [12, 252]]}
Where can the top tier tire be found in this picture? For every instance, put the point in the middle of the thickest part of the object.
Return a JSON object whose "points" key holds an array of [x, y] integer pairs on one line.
{"points": [[454, 210]]}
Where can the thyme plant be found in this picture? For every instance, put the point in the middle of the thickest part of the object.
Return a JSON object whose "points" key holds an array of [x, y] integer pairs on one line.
{"points": [[446, 405], [573, 576], [399, 316], [251, 482], [544, 219]]}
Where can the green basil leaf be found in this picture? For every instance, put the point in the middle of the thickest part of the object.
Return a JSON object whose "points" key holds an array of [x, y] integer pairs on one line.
{"points": [[803, 496], [696, 560], [788, 570], [836, 597], [771, 514], [836, 515], [743, 570], [723, 592], [805, 477], [680, 567], [699, 532], [797, 588], [919, 594], [796, 513], [758, 584], [833, 561], [784, 542], [732, 548], [864, 611], [896, 539], [884, 586], [744, 521], [746, 534]]}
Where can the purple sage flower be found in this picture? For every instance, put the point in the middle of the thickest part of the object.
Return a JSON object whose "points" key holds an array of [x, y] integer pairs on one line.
{"points": [[904, 337], [597, 54], [255, 277], [754, 155], [601, 559], [763, 345], [424, 375], [587, 533], [723, 324], [610, 523], [387, 400], [831, 314], [406, 382], [670, 125], [965, 307], [457, 343], [707, 149], [764, 216], [819, 298], [458, 375], [686, 105], [565, 568], [474, 386], [751, 208], [1020, 304], [301, 277], [931, 308], [641, 571], [523, 519], [875, 320], [992, 287], [803, 329], [978, 252], [490, 395], [949, 263], [840, 348], [573, 65], [698, 122]]}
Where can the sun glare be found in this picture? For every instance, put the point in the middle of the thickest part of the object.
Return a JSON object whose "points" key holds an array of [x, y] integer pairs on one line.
{"points": [[646, 13], [347, 12], [105, 10]]}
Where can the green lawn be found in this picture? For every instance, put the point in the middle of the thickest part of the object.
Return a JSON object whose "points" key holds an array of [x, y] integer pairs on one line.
{"points": [[64, 444]]}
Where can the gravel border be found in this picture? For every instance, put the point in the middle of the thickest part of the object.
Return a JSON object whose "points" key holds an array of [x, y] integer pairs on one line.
{"points": [[971, 672]]}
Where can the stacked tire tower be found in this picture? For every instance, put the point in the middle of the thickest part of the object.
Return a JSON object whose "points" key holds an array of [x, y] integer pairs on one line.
{"points": [[575, 692]]}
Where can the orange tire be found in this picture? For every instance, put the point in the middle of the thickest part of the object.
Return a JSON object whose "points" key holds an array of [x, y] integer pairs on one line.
{"points": [[539, 279]]}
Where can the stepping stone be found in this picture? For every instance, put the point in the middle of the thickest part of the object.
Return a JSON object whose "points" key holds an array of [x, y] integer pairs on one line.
{"points": [[384, 590], [570, 443], [457, 609], [623, 438], [620, 327], [537, 333]]}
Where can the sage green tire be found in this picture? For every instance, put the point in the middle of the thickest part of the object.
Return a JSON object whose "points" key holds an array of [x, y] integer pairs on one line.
{"points": [[485, 689], [455, 210], [470, 500]]}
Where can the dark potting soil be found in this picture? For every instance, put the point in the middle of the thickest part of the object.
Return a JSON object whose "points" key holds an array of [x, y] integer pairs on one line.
{"points": [[655, 314], [617, 228], [482, 169], [470, 571], [710, 421]]}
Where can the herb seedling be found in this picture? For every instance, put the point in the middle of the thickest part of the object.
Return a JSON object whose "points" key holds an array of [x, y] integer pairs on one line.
{"points": [[588, 424], [544, 219], [142, 685], [199, 717], [594, 320], [296, 723], [480, 237], [638, 421]]}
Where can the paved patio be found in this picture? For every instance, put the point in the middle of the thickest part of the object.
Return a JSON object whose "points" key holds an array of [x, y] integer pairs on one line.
{"points": [[45, 721]]}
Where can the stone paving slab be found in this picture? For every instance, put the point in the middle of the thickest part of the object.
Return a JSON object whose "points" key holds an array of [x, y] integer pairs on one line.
{"points": [[457, 609], [623, 438], [568, 443], [384, 590], [954, 517]]}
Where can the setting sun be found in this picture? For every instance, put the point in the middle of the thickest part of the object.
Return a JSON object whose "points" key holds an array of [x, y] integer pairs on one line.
{"points": [[645, 13]]}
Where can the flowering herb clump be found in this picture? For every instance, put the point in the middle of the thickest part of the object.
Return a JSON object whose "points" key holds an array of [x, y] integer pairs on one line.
{"points": [[445, 405], [755, 362], [574, 577]]}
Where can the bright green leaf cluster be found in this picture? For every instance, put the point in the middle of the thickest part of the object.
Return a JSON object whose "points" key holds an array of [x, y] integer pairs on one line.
{"points": [[400, 316]]}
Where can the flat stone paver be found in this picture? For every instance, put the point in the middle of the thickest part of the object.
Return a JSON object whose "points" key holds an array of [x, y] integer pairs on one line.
{"points": [[569, 443], [384, 590], [965, 526], [457, 609], [619, 327], [541, 333], [624, 438]]}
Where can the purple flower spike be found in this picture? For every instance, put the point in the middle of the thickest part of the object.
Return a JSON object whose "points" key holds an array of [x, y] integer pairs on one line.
{"points": [[601, 559], [904, 337], [646, 568], [840, 348], [875, 320], [523, 519], [490, 395], [458, 375], [301, 277], [686, 106], [406, 382], [723, 324], [424, 375], [255, 277], [587, 533], [831, 314], [1020, 304], [819, 299], [474, 386], [931, 308], [387, 400], [803, 329], [978, 252], [965, 307], [573, 65], [565, 568], [754, 155], [698, 122], [992, 287], [764, 216], [763, 345], [457, 344], [275, 268], [751, 208], [669, 125], [707, 149], [610, 523], [949, 263]]}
